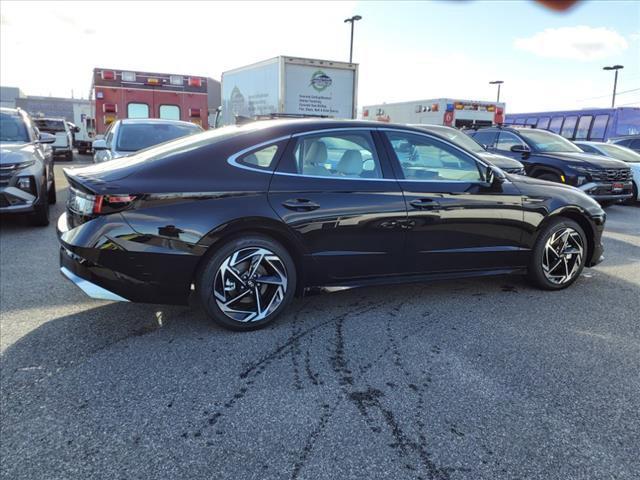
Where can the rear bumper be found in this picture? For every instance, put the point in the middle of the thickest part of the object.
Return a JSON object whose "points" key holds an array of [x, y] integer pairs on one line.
{"points": [[104, 259]]}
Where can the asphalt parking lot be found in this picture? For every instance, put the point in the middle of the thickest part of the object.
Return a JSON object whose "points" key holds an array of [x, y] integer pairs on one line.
{"points": [[473, 379]]}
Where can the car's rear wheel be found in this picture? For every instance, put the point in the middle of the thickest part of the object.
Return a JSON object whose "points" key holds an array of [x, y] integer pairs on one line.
{"points": [[559, 255], [247, 282]]}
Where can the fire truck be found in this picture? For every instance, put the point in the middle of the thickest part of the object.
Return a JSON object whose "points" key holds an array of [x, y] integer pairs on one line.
{"points": [[118, 94], [438, 111]]}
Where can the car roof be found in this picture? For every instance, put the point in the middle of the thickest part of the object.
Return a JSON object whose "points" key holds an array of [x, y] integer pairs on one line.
{"points": [[153, 121], [50, 118], [10, 111]]}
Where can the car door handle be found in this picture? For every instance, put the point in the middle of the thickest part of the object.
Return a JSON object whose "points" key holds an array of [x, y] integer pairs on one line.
{"points": [[424, 204], [300, 205]]}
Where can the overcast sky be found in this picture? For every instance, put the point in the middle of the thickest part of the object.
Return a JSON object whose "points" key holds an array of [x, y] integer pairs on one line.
{"points": [[406, 50]]}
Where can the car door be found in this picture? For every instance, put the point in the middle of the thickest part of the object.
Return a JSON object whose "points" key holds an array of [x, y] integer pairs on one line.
{"points": [[456, 221], [336, 191]]}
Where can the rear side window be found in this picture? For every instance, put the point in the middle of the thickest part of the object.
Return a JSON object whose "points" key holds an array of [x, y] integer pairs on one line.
{"points": [[262, 158], [137, 110], [599, 127], [532, 121], [569, 126], [556, 124], [485, 138], [337, 155]]}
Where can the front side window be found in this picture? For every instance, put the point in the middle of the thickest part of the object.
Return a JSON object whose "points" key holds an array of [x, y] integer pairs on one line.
{"points": [[599, 127], [137, 110], [506, 140], [337, 155], [569, 126], [170, 112], [556, 124], [583, 127], [428, 159], [485, 138]]}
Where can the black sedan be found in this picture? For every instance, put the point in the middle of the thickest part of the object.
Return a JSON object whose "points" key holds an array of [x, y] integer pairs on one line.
{"points": [[247, 217]]}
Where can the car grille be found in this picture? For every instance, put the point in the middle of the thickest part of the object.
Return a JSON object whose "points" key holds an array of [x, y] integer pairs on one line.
{"points": [[612, 175]]}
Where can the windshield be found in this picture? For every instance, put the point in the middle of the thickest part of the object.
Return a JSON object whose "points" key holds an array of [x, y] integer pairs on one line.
{"points": [[548, 142], [12, 129], [459, 138], [50, 126], [137, 136], [620, 153]]}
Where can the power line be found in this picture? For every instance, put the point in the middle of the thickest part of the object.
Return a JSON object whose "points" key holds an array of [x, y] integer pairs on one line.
{"points": [[609, 95], [627, 104]]}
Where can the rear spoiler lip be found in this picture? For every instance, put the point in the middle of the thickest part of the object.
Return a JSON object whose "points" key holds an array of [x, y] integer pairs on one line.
{"points": [[85, 184], [77, 182]]}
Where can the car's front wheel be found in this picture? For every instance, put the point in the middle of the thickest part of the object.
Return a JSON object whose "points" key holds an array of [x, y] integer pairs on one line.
{"points": [[247, 283], [559, 255]]}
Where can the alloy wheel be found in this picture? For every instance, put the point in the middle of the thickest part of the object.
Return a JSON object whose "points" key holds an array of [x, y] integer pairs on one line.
{"points": [[562, 256], [250, 284]]}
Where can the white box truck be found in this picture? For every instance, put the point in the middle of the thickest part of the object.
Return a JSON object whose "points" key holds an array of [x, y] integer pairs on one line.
{"points": [[289, 86], [438, 111]]}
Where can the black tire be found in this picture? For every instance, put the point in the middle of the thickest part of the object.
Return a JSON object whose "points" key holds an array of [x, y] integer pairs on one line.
{"points": [[634, 199], [550, 177], [52, 192], [536, 272], [206, 277], [82, 151], [40, 216], [68, 156]]}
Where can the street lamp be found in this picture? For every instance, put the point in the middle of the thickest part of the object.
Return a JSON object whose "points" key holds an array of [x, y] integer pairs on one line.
{"points": [[615, 81], [497, 82], [352, 20]]}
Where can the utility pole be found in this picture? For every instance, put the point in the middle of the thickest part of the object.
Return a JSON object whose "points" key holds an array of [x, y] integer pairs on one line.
{"points": [[497, 82], [352, 20], [615, 81]]}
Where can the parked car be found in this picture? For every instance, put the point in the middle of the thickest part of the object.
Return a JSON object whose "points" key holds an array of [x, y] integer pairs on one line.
{"points": [[247, 216], [124, 137], [551, 157], [463, 140], [27, 182], [63, 145], [631, 141], [619, 153]]}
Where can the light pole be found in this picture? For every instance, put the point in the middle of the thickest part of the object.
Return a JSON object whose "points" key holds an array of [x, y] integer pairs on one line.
{"points": [[497, 82], [352, 20], [615, 81]]}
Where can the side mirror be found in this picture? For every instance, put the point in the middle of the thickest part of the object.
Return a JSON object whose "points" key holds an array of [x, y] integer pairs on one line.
{"points": [[494, 176], [76, 129], [520, 149], [99, 145], [45, 137]]}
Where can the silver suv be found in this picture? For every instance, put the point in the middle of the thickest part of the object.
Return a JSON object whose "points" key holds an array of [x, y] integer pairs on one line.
{"points": [[27, 183]]}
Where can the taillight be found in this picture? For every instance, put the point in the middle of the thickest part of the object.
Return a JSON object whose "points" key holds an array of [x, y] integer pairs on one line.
{"points": [[86, 204], [111, 203]]}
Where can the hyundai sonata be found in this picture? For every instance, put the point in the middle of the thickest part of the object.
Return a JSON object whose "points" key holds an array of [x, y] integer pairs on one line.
{"points": [[244, 218]]}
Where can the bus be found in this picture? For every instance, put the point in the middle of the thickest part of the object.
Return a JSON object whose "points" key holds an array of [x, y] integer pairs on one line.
{"points": [[597, 124]]}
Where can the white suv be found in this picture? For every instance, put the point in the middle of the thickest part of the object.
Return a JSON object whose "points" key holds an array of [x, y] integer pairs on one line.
{"points": [[63, 146]]}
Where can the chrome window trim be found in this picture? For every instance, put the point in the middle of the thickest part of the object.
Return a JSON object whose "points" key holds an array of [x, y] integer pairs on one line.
{"points": [[234, 162]]}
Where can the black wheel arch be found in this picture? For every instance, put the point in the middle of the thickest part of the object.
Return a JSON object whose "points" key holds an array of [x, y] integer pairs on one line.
{"points": [[579, 216], [255, 226], [538, 170]]}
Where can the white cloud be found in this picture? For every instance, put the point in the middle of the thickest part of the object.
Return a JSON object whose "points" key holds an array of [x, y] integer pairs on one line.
{"points": [[576, 43]]}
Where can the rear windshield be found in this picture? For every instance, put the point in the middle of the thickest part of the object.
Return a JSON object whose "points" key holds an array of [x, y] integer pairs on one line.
{"points": [[12, 129], [50, 126], [134, 137]]}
